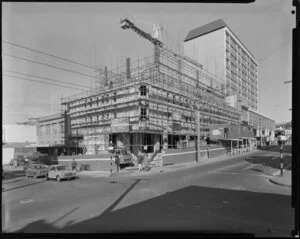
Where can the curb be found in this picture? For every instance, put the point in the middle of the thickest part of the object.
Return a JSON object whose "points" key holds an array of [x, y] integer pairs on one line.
{"points": [[284, 169], [280, 184]]}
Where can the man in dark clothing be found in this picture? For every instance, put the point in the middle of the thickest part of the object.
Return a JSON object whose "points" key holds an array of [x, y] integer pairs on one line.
{"points": [[208, 141], [74, 165], [117, 161]]}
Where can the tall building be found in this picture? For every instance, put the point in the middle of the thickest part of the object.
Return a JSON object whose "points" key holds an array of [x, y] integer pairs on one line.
{"points": [[222, 53]]}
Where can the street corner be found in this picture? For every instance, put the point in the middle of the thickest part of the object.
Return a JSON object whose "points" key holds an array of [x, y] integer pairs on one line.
{"points": [[285, 180]]}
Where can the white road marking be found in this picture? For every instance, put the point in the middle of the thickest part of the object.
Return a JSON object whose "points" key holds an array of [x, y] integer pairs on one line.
{"points": [[26, 201], [230, 166], [232, 173], [251, 166]]}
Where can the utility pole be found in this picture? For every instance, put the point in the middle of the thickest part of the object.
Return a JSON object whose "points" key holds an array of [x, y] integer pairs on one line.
{"points": [[197, 118]]}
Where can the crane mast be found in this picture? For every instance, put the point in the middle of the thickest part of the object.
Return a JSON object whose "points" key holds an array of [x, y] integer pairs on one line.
{"points": [[125, 23]]}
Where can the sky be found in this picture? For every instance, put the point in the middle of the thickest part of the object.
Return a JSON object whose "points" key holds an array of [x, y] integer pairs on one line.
{"points": [[90, 33]]}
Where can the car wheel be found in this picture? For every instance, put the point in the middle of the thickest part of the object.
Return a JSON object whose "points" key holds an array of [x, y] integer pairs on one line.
{"points": [[58, 179]]}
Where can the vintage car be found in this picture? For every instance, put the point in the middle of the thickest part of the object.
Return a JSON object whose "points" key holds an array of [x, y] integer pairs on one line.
{"points": [[36, 170], [60, 172], [124, 154]]}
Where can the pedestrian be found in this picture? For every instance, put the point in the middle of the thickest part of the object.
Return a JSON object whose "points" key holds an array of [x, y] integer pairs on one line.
{"points": [[117, 161], [208, 141], [74, 164]]}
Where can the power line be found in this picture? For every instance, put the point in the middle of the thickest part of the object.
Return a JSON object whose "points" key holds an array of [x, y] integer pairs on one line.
{"points": [[274, 52], [14, 44], [93, 77], [41, 77], [42, 82]]}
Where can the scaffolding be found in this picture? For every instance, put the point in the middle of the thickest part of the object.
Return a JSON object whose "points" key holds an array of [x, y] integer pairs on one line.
{"points": [[174, 88]]}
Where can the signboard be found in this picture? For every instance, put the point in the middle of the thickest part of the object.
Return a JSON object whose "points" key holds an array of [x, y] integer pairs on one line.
{"points": [[143, 125], [119, 125], [215, 132]]}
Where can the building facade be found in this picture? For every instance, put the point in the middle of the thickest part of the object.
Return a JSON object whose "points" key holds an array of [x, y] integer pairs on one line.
{"points": [[19, 133], [148, 105], [50, 130], [222, 53], [263, 126]]}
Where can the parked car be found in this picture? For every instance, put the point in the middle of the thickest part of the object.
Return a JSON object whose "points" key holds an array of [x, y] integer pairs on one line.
{"points": [[37, 170], [60, 172], [124, 154]]}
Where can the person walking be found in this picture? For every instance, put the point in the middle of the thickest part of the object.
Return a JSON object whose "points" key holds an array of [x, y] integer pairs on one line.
{"points": [[117, 161], [208, 141], [74, 164]]}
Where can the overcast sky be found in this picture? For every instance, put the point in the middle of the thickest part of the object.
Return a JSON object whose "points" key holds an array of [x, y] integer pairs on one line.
{"points": [[90, 33]]}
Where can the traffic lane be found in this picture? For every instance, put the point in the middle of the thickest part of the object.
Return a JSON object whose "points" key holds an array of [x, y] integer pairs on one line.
{"points": [[145, 190], [88, 196], [192, 208], [135, 193], [233, 177]]}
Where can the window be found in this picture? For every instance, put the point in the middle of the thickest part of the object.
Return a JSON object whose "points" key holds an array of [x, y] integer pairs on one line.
{"points": [[102, 99], [107, 98], [143, 90], [115, 115], [107, 116], [143, 113], [97, 101], [115, 96]]}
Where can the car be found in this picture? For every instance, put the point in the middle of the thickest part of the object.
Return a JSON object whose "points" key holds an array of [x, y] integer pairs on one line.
{"points": [[37, 170], [124, 154], [60, 172]]}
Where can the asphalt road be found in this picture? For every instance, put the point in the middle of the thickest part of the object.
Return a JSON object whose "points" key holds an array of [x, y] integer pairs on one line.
{"points": [[233, 195]]}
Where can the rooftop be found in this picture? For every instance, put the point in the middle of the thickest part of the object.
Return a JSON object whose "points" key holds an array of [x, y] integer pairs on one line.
{"points": [[210, 27]]}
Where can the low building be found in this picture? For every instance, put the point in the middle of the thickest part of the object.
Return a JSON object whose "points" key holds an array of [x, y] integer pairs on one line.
{"points": [[262, 125], [50, 130]]}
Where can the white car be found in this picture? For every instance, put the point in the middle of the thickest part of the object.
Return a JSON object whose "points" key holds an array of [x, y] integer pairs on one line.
{"points": [[60, 172]]}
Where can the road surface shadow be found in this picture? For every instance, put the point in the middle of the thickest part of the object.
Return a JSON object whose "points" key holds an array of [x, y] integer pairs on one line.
{"points": [[23, 186], [193, 208], [270, 161], [276, 148], [13, 174]]}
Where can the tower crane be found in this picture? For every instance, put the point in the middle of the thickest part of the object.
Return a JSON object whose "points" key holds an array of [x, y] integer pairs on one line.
{"points": [[125, 23]]}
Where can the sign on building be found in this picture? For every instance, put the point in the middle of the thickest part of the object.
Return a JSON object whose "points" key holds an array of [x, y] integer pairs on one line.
{"points": [[215, 132], [119, 125]]}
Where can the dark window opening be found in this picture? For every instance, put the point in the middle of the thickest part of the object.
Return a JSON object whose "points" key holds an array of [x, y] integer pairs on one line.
{"points": [[115, 97], [115, 115], [143, 90], [143, 113]]}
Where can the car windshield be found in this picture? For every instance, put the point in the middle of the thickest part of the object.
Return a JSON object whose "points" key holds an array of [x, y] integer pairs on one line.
{"points": [[124, 152], [62, 167]]}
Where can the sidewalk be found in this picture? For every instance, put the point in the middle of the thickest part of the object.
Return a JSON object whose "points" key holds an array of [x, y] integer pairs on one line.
{"points": [[284, 180], [177, 166]]}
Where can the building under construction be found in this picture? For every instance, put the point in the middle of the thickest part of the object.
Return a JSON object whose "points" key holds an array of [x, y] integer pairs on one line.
{"points": [[165, 99]]}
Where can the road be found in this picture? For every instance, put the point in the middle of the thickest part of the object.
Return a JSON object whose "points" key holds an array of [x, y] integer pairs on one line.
{"points": [[233, 195]]}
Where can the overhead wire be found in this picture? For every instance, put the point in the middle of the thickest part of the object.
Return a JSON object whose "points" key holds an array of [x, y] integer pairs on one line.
{"points": [[61, 58], [41, 77], [21, 58], [42, 82]]}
